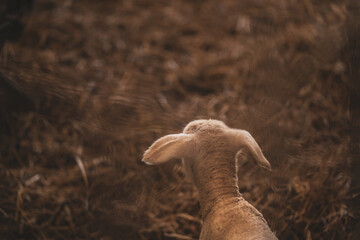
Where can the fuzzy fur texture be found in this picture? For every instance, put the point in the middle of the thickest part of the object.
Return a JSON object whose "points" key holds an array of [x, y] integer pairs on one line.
{"points": [[208, 149]]}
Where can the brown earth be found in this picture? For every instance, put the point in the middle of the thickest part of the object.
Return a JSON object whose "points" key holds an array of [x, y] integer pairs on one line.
{"points": [[90, 85]]}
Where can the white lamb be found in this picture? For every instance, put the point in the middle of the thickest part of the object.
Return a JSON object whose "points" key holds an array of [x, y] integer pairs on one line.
{"points": [[209, 150]]}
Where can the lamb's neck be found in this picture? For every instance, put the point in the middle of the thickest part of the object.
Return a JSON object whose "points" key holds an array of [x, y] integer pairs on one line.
{"points": [[216, 180]]}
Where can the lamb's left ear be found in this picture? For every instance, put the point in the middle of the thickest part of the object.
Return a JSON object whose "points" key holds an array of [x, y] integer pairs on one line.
{"points": [[242, 138], [169, 147]]}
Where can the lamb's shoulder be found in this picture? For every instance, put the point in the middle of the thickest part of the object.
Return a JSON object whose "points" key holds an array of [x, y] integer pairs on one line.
{"points": [[240, 221]]}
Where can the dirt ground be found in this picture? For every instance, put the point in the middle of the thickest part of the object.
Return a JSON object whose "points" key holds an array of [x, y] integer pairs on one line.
{"points": [[86, 86]]}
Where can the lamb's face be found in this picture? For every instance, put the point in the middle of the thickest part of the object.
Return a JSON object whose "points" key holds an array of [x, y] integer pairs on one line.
{"points": [[200, 126]]}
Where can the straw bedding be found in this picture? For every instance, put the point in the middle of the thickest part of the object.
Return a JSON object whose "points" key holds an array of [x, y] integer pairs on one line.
{"points": [[89, 85]]}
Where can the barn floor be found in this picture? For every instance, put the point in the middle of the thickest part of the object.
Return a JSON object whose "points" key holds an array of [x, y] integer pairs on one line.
{"points": [[91, 84]]}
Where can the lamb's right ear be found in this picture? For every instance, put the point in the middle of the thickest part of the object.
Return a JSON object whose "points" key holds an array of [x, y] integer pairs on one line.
{"points": [[169, 147], [242, 138]]}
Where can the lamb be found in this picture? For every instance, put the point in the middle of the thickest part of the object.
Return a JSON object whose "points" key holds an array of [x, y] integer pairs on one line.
{"points": [[209, 150]]}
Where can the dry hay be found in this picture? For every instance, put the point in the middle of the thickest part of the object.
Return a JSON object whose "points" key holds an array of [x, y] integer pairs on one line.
{"points": [[102, 79]]}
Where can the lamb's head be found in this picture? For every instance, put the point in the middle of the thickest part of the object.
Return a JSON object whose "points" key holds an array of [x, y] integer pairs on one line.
{"points": [[205, 126], [198, 137]]}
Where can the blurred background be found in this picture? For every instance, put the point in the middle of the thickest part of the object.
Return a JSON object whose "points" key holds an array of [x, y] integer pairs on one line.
{"points": [[86, 86]]}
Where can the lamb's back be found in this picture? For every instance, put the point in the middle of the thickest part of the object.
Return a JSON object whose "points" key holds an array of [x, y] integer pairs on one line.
{"points": [[242, 221]]}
